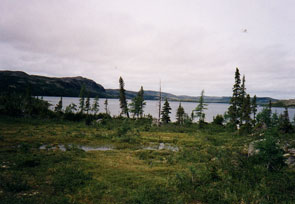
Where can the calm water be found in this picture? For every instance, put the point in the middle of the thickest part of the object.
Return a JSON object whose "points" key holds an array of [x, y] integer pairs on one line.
{"points": [[152, 107]]}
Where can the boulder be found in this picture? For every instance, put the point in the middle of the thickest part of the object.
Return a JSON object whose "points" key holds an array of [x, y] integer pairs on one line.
{"points": [[291, 161]]}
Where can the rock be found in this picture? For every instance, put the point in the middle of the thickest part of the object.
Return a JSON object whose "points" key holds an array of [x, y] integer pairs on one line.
{"points": [[286, 155], [154, 122], [290, 161], [291, 151], [99, 120], [251, 149]]}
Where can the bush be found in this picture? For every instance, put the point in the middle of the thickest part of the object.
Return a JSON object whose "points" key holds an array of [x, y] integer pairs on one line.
{"points": [[218, 120], [270, 154]]}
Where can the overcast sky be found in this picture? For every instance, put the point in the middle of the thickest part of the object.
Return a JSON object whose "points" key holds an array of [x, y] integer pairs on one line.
{"points": [[189, 45]]}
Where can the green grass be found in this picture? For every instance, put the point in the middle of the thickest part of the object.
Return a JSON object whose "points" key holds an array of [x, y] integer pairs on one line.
{"points": [[211, 165]]}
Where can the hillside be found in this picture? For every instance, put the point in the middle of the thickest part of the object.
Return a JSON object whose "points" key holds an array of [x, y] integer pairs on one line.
{"points": [[285, 103], [48, 86], [17, 81]]}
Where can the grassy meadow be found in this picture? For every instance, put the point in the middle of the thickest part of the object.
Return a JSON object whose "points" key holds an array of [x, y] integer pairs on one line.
{"points": [[210, 166]]}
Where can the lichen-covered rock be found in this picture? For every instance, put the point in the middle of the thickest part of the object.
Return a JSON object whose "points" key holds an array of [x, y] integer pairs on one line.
{"points": [[251, 149], [291, 161]]}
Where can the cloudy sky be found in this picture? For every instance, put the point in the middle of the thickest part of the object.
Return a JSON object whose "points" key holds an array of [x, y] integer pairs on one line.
{"points": [[189, 45]]}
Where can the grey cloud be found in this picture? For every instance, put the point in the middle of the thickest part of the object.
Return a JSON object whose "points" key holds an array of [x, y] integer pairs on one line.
{"points": [[190, 46]]}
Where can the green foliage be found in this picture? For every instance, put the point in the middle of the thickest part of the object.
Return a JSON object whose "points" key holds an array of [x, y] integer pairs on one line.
{"points": [[68, 179], [19, 105], [218, 119], [147, 194], [270, 154], [82, 99], [106, 103], [137, 104], [284, 124], [180, 115], [254, 108], [123, 129], [72, 108], [37, 176], [264, 117], [122, 98], [95, 106], [87, 105], [199, 110], [165, 112], [58, 107], [246, 115], [235, 107]]}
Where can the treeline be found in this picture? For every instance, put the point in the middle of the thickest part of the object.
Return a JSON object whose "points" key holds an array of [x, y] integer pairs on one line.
{"points": [[241, 115]]}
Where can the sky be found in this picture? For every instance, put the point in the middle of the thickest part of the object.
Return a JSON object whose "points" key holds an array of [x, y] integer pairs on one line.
{"points": [[188, 45]]}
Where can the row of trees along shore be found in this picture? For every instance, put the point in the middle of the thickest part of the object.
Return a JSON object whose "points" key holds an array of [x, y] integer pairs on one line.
{"points": [[241, 115], [242, 112]]}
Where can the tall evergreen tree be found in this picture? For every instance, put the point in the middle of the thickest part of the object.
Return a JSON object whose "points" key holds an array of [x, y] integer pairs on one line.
{"points": [[133, 106], [123, 101], [199, 110], [165, 112], [87, 105], [141, 101], [235, 107], [180, 115], [284, 122], [254, 109], [82, 99], [28, 105], [137, 104], [58, 107], [242, 99], [95, 106], [246, 114], [72, 108], [106, 103], [264, 117]]}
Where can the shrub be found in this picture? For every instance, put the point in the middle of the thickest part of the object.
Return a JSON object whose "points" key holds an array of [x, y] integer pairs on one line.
{"points": [[218, 120]]}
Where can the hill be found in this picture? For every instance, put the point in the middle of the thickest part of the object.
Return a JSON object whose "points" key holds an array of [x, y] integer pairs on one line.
{"points": [[48, 86], [285, 103], [17, 81]]}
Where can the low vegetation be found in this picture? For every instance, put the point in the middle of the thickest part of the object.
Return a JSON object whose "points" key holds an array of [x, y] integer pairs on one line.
{"points": [[139, 161]]}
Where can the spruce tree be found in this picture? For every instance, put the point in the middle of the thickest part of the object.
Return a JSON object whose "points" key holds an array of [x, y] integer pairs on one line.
{"points": [[264, 117], [28, 105], [242, 100], [82, 99], [123, 101], [165, 112], [137, 104], [254, 109], [72, 108], [106, 103], [235, 107], [199, 110], [246, 114], [58, 107], [95, 106], [180, 115], [87, 105], [284, 122], [141, 102], [133, 106]]}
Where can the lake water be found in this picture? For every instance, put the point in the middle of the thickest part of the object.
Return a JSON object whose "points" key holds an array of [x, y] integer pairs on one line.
{"points": [[152, 107]]}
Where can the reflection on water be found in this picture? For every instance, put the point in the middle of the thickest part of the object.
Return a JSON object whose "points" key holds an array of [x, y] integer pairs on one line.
{"points": [[162, 146], [152, 107], [64, 147]]}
